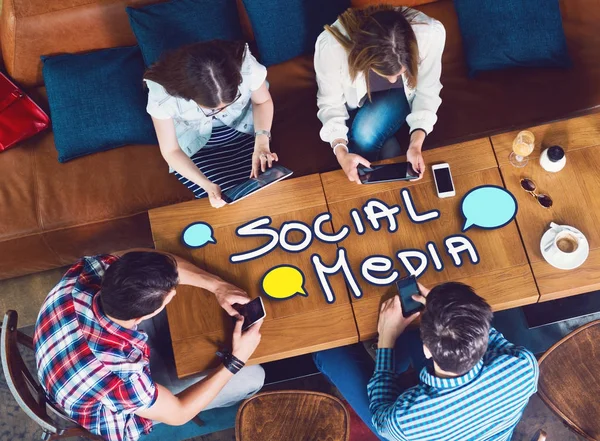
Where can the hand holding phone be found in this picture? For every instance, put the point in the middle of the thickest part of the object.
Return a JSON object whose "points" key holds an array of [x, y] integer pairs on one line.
{"points": [[252, 312], [245, 343], [400, 171], [391, 322], [407, 288]]}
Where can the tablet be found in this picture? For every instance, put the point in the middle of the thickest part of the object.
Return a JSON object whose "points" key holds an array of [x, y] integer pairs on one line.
{"points": [[245, 189]]}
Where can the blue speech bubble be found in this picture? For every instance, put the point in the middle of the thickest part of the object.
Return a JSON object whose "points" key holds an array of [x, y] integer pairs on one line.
{"points": [[197, 235], [488, 207]]}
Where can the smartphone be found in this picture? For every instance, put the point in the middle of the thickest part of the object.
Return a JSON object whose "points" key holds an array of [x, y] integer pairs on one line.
{"points": [[443, 180], [253, 312], [408, 287], [400, 171]]}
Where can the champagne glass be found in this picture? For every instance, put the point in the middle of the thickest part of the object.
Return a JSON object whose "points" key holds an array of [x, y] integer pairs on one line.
{"points": [[522, 148]]}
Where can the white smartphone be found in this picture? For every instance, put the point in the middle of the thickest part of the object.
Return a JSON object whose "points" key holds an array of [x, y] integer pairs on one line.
{"points": [[443, 180], [253, 312]]}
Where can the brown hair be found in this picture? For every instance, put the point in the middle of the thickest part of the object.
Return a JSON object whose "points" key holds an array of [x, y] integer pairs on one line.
{"points": [[380, 38], [207, 72]]}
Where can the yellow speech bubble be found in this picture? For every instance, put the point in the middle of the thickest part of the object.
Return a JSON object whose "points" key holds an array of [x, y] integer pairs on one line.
{"points": [[283, 282]]}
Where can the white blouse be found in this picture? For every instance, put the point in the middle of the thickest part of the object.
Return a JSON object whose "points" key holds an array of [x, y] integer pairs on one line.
{"points": [[337, 93], [193, 128]]}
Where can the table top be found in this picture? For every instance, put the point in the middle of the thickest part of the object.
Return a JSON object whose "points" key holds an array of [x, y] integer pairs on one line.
{"points": [[292, 327], [502, 276], [574, 191]]}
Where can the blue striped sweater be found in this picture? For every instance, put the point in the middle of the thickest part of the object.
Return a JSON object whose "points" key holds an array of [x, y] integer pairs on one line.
{"points": [[485, 404]]}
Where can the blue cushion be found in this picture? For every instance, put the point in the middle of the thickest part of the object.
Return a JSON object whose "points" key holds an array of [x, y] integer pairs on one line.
{"points": [[498, 34], [166, 26], [285, 29], [97, 101]]}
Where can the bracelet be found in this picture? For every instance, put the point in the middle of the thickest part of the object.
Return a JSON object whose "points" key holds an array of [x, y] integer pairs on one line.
{"points": [[414, 130], [340, 144], [230, 361]]}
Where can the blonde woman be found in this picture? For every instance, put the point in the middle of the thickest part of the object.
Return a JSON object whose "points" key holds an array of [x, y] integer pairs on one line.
{"points": [[377, 68]]}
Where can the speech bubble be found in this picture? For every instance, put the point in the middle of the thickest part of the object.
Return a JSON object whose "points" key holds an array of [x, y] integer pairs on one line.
{"points": [[197, 235], [283, 282], [488, 207]]}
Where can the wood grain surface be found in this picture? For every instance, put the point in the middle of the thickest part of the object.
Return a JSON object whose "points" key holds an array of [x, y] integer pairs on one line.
{"points": [[575, 191], [292, 415], [503, 276], [569, 382], [295, 326]]}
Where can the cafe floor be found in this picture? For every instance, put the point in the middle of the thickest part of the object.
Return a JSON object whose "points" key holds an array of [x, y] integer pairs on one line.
{"points": [[26, 294]]}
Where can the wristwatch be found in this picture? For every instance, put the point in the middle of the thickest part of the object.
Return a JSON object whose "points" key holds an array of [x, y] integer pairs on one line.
{"points": [[263, 132]]}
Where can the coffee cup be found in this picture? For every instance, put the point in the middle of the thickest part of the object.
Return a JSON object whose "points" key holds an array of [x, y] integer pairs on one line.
{"points": [[566, 243]]}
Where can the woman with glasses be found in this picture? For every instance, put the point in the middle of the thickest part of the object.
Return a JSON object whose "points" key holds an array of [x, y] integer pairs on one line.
{"points": [[212, 113], [377, 68]]}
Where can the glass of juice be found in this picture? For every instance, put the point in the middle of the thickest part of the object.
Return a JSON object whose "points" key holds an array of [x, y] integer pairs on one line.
{"points": [[522, 148]]}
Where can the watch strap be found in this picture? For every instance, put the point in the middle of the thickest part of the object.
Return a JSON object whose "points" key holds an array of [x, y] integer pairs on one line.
{"points": [[262, 132]]}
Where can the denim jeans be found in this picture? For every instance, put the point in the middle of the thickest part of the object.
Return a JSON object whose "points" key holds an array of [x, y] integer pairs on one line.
{"points": [[376, 121], [350, 368], [248, 381]]}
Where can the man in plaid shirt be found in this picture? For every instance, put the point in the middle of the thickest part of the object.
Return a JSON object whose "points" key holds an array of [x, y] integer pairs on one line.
{"points": [[94, 359]]}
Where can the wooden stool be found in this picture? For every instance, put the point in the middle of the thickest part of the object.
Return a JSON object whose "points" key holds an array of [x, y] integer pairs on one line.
{"points": [[292, 415], [570, 380]]}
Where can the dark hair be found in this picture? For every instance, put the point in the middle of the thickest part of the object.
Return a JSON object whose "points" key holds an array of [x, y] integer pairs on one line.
{"points": [[380, 39], [455, 327], [207, 72], [137, 284]]}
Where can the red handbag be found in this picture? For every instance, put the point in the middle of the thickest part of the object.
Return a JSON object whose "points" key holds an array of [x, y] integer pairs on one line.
{"points": [[20, 117]]}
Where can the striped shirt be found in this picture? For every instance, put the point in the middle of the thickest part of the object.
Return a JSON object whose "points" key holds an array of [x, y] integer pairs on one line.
{"points": [[485, 404]]}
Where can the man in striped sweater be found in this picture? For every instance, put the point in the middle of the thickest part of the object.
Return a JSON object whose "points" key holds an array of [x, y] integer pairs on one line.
{"points": [[478, 385]]}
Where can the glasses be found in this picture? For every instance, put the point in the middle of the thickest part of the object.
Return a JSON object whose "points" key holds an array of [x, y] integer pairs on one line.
{"points": [[529, 186], [213, 112]]}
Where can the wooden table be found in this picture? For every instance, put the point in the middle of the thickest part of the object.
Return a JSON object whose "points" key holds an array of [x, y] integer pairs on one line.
{"points": [[503, 276], [575, 191], [295, 326]]}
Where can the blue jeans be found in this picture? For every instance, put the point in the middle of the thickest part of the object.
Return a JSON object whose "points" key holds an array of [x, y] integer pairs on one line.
{"points": [[376, 121], [350, 368]]}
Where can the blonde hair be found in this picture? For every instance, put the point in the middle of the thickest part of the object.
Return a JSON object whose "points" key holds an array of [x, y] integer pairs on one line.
{"points": [[380, 39]]}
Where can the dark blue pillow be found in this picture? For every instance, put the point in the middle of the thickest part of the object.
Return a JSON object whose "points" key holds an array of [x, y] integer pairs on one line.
{"points": [[97, 101], [285, 29], [170, 25], [498, 34]]}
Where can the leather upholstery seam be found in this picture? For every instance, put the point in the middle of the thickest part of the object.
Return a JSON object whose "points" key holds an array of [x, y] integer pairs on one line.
{"points": [[43, 231], [38, 214], [14, 51], [57, 11]]}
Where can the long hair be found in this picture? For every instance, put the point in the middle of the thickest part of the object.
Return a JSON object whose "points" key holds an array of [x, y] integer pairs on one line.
{"points": [[207, 72], [380, 39]]}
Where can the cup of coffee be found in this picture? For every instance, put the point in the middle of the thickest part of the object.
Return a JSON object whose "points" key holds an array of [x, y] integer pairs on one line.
{"points": [[566, 243]]}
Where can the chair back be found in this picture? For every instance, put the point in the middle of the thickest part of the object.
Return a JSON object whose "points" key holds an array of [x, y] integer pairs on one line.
{"points": [[292, 415], [569, 382], [25, 388], [27, 391]]}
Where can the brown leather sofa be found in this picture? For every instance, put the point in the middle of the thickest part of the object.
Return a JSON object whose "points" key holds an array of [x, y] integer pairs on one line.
{"points": [[52, 213]]}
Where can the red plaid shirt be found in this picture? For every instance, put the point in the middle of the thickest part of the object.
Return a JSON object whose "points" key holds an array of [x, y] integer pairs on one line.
{"points": [[94, 369]]}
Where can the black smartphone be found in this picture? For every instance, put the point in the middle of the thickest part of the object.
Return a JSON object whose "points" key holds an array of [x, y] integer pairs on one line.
{"points": [[407, 287], [400, 171], [253, 312]]}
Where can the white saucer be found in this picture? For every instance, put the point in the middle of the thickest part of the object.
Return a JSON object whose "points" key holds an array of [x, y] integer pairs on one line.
{"points": [[569, 262]]}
